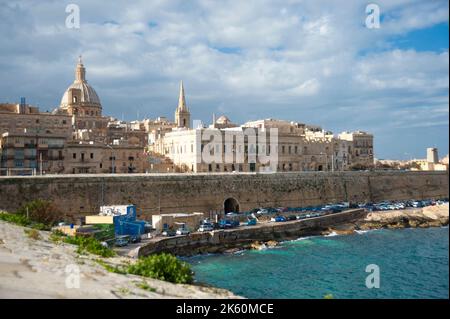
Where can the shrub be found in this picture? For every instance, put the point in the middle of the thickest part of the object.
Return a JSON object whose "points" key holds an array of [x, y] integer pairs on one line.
{"points": [[90, 245], [164, 267], [40, 211], [57, 236], [32, 233]]}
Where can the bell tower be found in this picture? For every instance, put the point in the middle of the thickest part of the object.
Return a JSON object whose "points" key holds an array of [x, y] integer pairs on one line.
{"points": [[182, 114]]}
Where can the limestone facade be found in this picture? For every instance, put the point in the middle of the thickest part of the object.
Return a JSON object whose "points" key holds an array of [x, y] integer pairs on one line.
{"points": [[298, 147]]}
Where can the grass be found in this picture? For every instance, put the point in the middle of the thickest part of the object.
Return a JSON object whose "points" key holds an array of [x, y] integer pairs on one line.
{"points": [[57, 236], [32, 233], [144, 285], [114, 269], [90, 245], [17, 219]]}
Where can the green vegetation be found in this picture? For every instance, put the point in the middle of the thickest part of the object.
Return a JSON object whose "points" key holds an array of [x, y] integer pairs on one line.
{"points": [[144, 285], [164, 267], [91, 245], [57, 236], [106, 231], [41, 211], [328, 296], [15, 219], [114, 269], [161, 266], [37, 214], [32, 233]]}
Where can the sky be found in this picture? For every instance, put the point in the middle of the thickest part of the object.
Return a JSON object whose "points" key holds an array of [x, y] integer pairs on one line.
{"points": [[313, 62]]}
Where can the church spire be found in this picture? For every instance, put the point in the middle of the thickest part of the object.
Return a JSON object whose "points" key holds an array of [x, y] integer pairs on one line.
{"points": [[80, 72], [182, 100], [182, 115]]}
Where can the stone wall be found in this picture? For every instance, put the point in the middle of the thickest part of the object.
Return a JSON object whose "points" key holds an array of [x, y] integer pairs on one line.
{"points": [[221, 240], [78, 195]]}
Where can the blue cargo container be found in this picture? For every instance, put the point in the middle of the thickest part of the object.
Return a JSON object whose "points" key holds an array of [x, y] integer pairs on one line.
{"points": [[127, 224]]}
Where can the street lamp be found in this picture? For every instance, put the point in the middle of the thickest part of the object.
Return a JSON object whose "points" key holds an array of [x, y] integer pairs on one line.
{"points": [[112, 159]]}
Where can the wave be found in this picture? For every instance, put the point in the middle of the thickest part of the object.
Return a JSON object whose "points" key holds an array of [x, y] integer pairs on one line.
{"points": [[302, 238], [332, 234]]}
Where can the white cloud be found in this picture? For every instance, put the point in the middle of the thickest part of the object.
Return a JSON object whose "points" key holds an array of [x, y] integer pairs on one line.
{"points": [[302, 60]]}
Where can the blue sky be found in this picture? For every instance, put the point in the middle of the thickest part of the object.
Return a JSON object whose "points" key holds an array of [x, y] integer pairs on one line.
{"points": [[307, 61]]}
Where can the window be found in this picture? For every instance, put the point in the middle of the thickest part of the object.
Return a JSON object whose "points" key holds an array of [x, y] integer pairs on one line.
{"points": [[74, 155], [18, 163], [92, 155]]}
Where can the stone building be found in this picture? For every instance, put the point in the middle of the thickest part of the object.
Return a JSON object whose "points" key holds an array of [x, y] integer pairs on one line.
{"points": [[361, 148], [298, 147], [18, 117], [31, 152], [74, 138]]}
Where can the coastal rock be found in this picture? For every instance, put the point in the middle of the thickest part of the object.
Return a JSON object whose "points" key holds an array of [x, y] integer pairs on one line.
{"points": [[26, 264], [430, 216], [257, 245], [272, 243]]}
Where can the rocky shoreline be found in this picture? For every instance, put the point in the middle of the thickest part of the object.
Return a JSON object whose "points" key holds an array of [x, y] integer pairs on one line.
{"points": [[431, 216]]}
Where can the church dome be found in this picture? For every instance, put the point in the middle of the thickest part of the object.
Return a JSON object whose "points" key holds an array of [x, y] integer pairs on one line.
{"points": [[88, 95], [223, 120]]}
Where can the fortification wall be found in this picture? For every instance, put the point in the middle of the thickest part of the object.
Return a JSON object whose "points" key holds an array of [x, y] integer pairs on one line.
{"points": [[78, 195], [221, 240]]}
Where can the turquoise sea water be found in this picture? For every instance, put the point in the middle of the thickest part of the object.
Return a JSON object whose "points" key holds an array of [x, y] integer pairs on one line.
{"points": [[413, 263]]}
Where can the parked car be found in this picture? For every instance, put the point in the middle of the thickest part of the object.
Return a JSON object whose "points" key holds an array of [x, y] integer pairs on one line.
{"points": [[183, 231], [279, 219], [226, 223], [121, 241], [263, 211], [168, 233], [206, 227], [417, 204], [251, 222], [135, 239], [292, 217]]}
